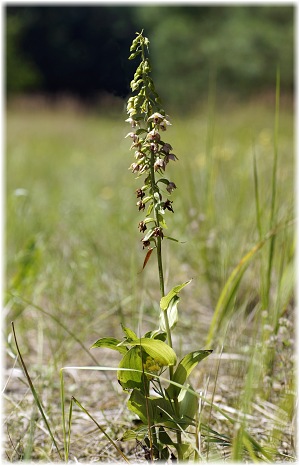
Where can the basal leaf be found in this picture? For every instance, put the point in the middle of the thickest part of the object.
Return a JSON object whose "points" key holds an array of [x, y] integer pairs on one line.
{"points": [[184, 369], [131, 360], [157, 410], [165, 300], [157, 349], [130, 334], [188, 405], [111, 343]]}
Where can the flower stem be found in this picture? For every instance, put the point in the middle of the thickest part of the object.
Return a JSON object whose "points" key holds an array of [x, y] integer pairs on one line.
{"points": [[159, 258]]}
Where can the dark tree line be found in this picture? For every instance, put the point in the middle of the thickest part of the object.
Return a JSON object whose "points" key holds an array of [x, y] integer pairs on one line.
{"points": [[84, 49]]}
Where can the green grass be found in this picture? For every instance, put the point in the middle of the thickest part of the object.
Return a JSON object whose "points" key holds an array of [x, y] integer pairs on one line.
{"points": [[74, 261]]}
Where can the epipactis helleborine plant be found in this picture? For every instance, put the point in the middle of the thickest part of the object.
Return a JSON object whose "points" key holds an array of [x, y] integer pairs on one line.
{"points": [[165, 412]]}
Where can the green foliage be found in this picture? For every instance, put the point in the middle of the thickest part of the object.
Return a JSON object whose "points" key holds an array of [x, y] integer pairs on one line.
{"points": [[185, 367], [240, 45], [82, 50], [22, 75]]}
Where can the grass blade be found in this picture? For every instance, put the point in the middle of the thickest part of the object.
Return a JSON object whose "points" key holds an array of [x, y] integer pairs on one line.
{"points": [[274, 186], [34, 393], [233, 281], [256, 192]]}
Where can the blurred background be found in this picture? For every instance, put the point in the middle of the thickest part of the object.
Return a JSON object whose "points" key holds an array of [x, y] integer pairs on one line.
{"points": [[82, 50]]}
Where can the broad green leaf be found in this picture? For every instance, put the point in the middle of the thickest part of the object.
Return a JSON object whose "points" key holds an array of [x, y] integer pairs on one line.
{"points": [[172, 314], [165, 300], [157, 349], [184, 369], [111, 343], [130, 334], [188, 405], [136, 434], [131, 379], [158, 410], [157, 334], [162, 411], [164, 438]]}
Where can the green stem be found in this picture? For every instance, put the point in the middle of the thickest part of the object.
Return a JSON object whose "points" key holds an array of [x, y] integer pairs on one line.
{"points": [[161, 272], [162, 290], [159, 255]]}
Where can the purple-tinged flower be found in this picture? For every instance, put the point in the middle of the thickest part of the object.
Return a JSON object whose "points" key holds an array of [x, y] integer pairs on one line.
{"points": [[171, 186], [136, 145], [154, 147], [140, 193], [160, 163], [146, 243], [166, 148], [170, 157], [132, 122], [153, 135], [158, 232], [132, 135], [168, 205], [142, 227], [163, 125], [141, 205], [134, 167], [156, 117]]}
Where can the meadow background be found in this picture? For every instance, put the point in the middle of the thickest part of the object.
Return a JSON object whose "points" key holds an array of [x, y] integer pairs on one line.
{"points": [[73, 250]]}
